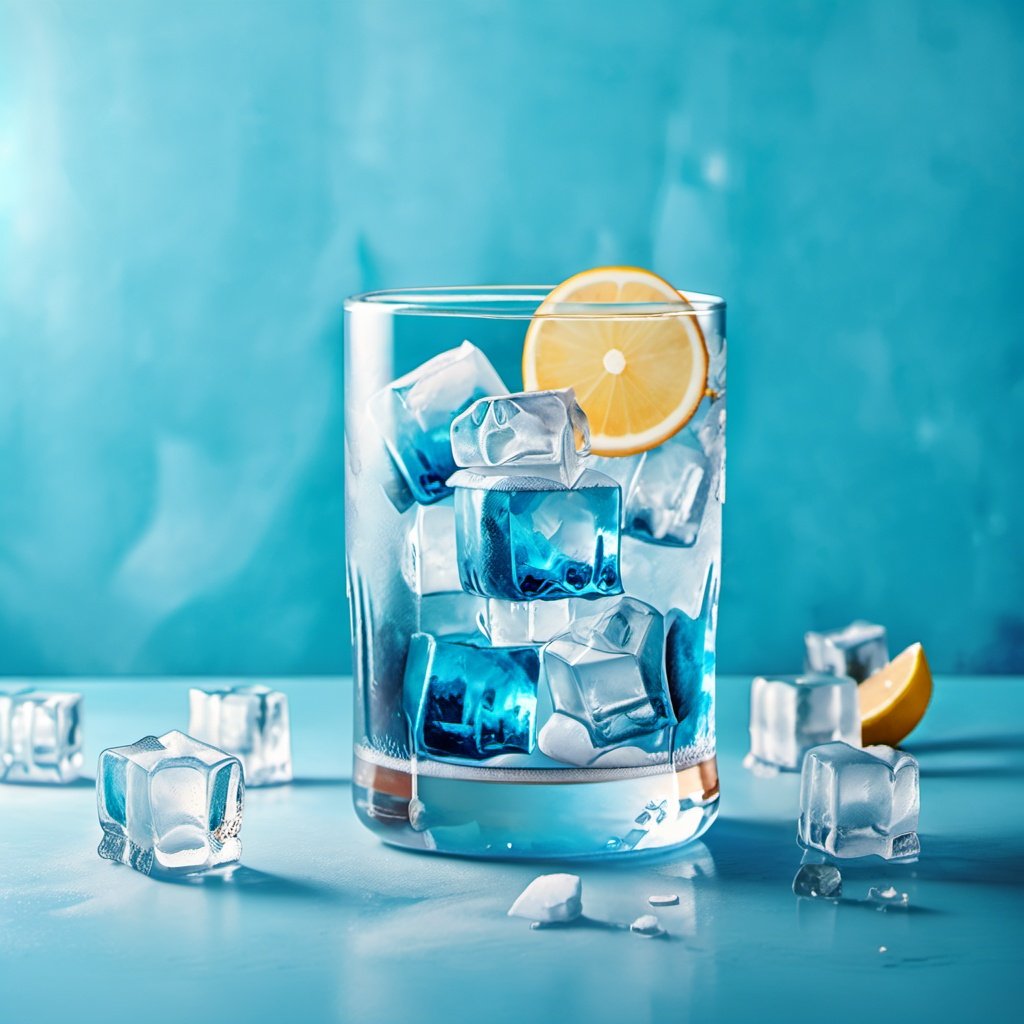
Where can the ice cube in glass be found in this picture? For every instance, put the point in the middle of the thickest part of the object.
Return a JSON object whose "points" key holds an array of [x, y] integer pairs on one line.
{"points": [[250, 722], [665, 500], [791, 714], [414, 415], [170, 805], [523, 538], [430, 564], [859, 802], [40, 736]]}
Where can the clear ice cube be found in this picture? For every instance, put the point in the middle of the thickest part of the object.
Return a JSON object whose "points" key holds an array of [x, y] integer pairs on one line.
{"points": [[546, 431], [414, 415], [818, 881], [466, 699], [170, 805], [859, 803], [525, 622], [607, 673], [708, 426], [857, 650], [250, 722], [665, 500], [458, 614], [550, 899], [566, 739], [430, 564], [523, 538], [40, 736], [791, 714]]}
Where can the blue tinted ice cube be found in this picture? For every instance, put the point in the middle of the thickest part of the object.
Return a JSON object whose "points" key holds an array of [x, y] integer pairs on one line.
{"points": [[664, 502], [791, 714], [250, 722], [526, 537], [857, 650], [40, 736], [689, 666], [466, 699], [606, 672], [170, 805], [545, 430], [414, 415], [859, 803]]}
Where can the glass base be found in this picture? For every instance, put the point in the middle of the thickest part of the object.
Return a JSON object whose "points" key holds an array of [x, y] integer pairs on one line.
{"points": [[536, 814]]}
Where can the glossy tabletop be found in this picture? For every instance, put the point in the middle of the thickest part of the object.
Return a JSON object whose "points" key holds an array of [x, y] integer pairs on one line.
{"points": [[323, 923]]}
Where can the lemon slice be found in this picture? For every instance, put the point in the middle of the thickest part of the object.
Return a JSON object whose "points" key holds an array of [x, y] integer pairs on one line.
{"points": [[640, 378], [894, 699]]}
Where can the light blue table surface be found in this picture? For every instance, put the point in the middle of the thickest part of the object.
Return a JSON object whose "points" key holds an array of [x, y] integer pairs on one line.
{"points": [[326, 924]]}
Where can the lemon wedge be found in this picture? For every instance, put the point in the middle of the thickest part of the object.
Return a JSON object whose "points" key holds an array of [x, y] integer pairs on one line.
{"points": [[895, 698], [638, 374]]}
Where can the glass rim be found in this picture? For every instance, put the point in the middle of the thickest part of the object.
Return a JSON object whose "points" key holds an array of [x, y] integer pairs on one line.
{"points": [[501, 302]]}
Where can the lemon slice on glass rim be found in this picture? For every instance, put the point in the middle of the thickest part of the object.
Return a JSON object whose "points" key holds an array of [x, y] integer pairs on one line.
{"points": [[639, 374]]}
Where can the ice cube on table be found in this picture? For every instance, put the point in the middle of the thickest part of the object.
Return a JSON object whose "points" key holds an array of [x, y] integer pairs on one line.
{"points": [[525, 538], [546, 431], [40, 736], [665, 499], [414, 415], [429, 561], [857, 650], [791, 714], [607, 674], [550, 899], [859, 803], [250, 722], [818, 881], [170, 804], [465, 699], [525, 622]]}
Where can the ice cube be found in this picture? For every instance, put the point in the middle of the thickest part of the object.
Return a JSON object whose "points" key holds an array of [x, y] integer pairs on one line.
{"points": [[859, 803], [40, 736], [546, 431], [708, 426], [525, 622], [170, 805], [550, 899], [689, 667], [818, 881], [888, 898], [523, 538], [857, 650], [414, 415], [430, 564], [606, 673], [647, 926], [568, 740], [466, 699], [458, 614], [250, 722], [665, 500], [791, 714]]}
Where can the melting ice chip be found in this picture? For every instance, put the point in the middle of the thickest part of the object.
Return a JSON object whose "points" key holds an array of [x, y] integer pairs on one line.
{"points": [[170, 805], [525, 622], [665, 501], [859, 803], [250, 722], [40, 736], [414, 415], [550, 899], [667, 900], [856, 651], [466, 699], [647, 927], [544, 430], [606, 673], [429, 562], [522, 538], [888, 897], [568, 740], [818, 881], [791, 714]]}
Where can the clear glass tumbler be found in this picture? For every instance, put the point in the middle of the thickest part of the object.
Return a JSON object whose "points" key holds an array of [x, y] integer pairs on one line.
{"points": [[533, 618]]}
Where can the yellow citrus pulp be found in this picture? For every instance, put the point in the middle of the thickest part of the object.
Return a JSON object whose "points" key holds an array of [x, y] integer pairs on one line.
{"points": [[894, 699]]}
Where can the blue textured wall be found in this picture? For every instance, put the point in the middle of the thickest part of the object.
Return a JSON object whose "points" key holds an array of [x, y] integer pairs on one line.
{"points": [[188, 190]]}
